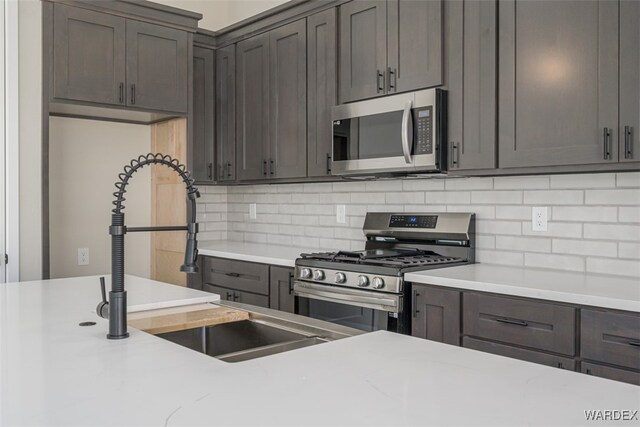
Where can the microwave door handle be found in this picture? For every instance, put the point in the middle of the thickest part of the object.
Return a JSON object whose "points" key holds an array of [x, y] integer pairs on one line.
{"points": [[406, 147]]}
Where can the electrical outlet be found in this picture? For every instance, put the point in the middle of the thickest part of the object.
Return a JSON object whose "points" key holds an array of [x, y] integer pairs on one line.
{"points": [[539, 219], [341, 214], [252, 211], [83, 256]]}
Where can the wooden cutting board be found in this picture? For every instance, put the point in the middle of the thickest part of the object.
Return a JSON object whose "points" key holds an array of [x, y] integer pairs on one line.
{"points": [[186, 317]]}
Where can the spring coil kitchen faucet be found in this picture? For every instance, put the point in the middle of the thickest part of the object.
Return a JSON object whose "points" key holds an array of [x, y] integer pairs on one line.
{"points": [[116, 308]]}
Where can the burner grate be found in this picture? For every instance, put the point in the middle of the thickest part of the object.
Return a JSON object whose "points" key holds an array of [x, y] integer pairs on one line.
{"points": [[413, 259]]}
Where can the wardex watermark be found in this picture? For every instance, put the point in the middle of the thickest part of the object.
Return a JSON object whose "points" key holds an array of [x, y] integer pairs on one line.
{"points": [[611, 415]]}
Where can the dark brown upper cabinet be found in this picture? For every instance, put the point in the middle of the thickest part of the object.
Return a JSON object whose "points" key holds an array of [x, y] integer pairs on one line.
{"points": [[288, 101], [88, 55], [558, 83], [108, 60], [471, 44], [157, 67], [629, 132], [226, 112], [203, 115], [252, 121], [389, 46], [322, 78]]}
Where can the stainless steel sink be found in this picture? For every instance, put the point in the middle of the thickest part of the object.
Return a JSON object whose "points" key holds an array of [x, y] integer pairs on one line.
{"points": [[266, 332]]}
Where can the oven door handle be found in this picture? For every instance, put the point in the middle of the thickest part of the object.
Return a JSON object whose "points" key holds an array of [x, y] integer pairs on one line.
{"points": [[367, 299], [406, 147]]}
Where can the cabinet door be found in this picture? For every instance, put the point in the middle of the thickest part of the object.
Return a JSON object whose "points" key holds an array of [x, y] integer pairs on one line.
{"points": [[281, 289], [157, 67], [558, 84], [288, 101], [226, 112], [436, 314], [253, 107], [203, 115], [322, 90], [629, 81], [363, 49], [414, 44], [611, 373], [471, 81], [88, 56]]}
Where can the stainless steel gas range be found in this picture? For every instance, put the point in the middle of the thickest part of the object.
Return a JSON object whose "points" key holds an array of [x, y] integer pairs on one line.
{"points": [[366, 289]]}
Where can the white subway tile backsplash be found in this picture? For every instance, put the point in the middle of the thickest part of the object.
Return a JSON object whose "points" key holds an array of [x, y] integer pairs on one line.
{"points": [[628, 179], [584, 213], [594, 218], [612, 197], [553, 197], [582, 181]]}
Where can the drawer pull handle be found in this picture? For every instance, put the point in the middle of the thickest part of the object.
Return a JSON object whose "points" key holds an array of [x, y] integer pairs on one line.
{"points": [[233, 274], [513, 322], [229, 296], [634, 343]]}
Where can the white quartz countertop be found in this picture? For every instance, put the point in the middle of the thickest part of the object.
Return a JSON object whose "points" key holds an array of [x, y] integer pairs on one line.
{"points": [[284, 256], [54, 372], [575, 288]]}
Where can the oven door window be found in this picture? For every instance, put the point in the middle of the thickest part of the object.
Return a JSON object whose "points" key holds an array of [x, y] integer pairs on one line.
{"points": [[370, 137], [365, 319]]}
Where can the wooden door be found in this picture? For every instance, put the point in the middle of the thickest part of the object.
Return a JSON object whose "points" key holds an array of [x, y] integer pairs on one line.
{"points": [[322, 77], [472, 83], [629, 133], [168, 203], [281, 289], [226, 112], [414, 44], [436, 314], [88, 56], [558, 84], [252, 121], [203, 115], [288, 101], [157, 67], [363, 49]]}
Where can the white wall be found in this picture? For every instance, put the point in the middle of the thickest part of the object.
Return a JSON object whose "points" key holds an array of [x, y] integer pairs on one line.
{"points": [[86, 158], [30, 63]]}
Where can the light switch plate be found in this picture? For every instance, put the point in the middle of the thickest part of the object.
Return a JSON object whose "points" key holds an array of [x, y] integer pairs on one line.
{"points": [[83, 256], [341, 214], [539, 219], [252, 211]]}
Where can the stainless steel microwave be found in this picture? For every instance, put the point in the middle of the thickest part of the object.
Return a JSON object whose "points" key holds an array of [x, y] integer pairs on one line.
{"points": [[399, 134]]}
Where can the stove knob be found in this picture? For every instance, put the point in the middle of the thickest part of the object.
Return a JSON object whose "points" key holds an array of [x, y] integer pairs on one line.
{"points": [[305, 273], [378, 283], [363, 281], [318, 275], [341, 278]]}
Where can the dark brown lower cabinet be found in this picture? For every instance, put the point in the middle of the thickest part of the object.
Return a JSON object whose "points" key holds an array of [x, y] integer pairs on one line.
{"points": [[611, 338], [520, 353], [281, 289], [237, 296], [436, 314], [611, 373]]}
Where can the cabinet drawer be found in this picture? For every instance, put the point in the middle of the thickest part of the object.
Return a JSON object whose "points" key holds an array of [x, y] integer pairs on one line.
{"points": [[538, 325], [611, 373], [520, 353], [237, 296], [611, 338], [238, 275]]}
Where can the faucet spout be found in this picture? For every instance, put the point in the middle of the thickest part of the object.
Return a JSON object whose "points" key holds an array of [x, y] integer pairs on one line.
{"points": [[116, 307]]}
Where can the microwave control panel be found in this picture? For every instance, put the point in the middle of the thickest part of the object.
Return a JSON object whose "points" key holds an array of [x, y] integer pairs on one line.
{"points": [[424, 130], [413, 221]]}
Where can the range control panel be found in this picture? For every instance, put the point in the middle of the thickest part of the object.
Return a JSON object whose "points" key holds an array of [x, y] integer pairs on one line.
{"points": [[413, 221], [424, 129]]}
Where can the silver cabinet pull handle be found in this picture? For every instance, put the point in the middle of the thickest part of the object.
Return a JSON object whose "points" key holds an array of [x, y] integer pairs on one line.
{"points": [[406, 147], [379, 81]]}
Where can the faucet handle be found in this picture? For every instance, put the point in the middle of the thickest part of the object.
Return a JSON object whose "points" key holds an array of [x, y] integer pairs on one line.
{"points": [[103, 306]]}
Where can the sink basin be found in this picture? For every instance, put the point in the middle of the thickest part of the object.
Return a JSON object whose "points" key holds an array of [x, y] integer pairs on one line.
{"points": [[242, 340]]}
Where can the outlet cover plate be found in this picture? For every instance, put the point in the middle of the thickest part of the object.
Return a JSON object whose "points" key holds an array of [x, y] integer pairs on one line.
{"points": [[252, 211], [83, 256], [539, 219], [341, 214]]}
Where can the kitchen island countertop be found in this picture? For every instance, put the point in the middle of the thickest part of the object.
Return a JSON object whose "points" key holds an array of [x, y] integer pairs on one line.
{"points": [[55, 372]]}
